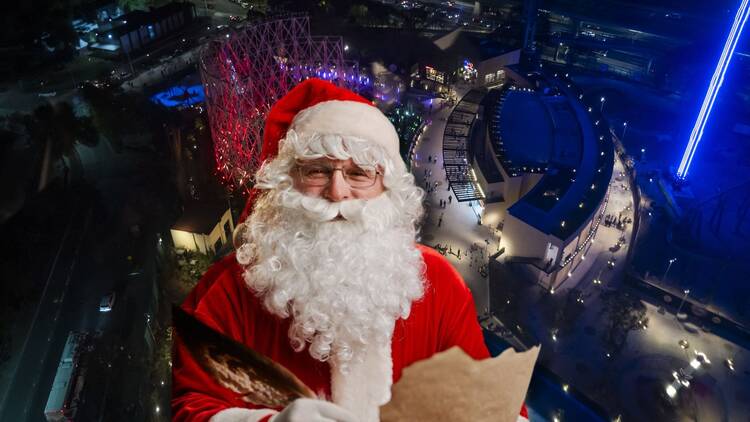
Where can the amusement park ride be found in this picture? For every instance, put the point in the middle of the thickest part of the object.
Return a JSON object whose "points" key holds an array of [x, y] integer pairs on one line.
{"points": [[244, 74]]}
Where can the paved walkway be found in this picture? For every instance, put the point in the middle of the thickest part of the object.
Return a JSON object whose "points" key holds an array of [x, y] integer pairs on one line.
{"points": [[605, 243], [163, 70], [454, 226]]}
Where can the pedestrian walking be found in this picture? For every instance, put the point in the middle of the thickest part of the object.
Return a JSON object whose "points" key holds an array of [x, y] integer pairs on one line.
{"points": [[450, 199]]}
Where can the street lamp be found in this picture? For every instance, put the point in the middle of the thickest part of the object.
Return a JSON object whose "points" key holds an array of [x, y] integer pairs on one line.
{"points": [[601, 108], [671, 261], [624, 130], [679, 308]]}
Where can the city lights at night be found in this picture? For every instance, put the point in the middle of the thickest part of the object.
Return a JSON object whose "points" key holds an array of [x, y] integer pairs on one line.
{"points": [[713, 89], [253, 210]]}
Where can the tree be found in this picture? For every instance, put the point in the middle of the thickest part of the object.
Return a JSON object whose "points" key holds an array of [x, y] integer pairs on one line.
{"points": [[260, 6], [7, 138], [107, 114], [566, 309], [623, 313], [131, 5], [357, 13], [57, 127], [506, 291]]}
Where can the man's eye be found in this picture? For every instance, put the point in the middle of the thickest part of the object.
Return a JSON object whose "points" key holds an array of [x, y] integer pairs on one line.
{"points": [[316, 171], [358, 172]]}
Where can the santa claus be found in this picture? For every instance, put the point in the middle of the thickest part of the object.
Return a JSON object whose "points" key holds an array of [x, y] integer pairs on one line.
{"points": [[327, 278]]}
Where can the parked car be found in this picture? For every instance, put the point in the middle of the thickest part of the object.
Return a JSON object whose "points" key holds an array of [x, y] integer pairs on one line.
{"points": [[107, 302]]}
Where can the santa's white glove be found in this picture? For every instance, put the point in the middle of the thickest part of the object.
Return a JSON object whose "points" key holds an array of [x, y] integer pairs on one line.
{"points": [[310, 410]]}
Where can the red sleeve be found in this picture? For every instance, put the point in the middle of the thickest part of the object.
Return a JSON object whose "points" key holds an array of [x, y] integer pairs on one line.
{"points": [[459, 325], [196, 397]]}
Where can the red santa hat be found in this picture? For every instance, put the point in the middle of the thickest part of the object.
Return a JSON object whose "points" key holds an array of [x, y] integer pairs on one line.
{"points": [[316, 106]]}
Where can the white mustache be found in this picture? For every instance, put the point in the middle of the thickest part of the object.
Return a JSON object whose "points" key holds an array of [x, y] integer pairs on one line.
{"points": [[321, 210], [375, 213]]}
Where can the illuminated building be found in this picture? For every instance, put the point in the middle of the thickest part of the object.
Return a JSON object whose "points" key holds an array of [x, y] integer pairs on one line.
{"points": [[135, 31], [542, 164]]}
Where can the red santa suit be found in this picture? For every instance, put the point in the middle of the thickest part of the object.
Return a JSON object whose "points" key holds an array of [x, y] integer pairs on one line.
{"points": [[443, 318]]}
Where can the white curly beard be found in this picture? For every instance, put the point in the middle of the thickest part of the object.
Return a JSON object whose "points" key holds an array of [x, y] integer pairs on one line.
{"points": [[344, 282]]}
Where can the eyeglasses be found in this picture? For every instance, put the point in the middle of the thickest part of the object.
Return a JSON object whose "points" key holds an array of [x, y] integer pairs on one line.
{"points": [[317, 175]]}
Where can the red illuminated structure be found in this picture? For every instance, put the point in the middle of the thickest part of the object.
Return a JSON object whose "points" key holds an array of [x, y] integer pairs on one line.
{"points": [[245, 72]]}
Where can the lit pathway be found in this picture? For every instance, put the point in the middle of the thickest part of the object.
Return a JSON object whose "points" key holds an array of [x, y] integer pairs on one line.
{"points": [[163, 70], [619, 205], [458, 229]]}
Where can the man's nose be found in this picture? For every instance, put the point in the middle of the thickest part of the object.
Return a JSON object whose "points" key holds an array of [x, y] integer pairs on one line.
{"points": [[338, 190]]}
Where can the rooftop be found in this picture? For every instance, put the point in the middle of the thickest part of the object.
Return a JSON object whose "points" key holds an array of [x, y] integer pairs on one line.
{"points": [[138, 18], [547, 130]]}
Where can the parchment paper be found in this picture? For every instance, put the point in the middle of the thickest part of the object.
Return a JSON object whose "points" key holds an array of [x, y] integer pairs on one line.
{"points": [[451, 386]]}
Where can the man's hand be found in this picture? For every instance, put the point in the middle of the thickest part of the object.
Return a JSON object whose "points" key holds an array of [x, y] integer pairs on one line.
{"points": [[310, 410]]}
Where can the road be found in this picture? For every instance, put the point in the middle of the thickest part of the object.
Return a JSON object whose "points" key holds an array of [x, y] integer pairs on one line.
{"points": [[92, 262], [43, 344]]}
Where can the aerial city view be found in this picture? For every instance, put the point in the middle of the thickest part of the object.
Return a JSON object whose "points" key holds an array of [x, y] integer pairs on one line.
{"points": [[584, 166]]}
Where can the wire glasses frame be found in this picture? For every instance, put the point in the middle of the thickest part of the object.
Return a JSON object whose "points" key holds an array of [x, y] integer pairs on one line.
{"points": [[320, 175]]}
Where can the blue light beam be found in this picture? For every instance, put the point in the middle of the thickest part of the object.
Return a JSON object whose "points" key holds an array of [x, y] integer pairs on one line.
{"points": [[716, 81]]}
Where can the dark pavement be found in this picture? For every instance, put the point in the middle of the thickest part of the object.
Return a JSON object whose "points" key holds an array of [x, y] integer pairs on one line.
{"points": [[96, 243]]}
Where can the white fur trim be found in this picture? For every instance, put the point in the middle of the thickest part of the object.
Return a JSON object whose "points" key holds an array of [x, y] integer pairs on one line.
{"points": [[366, 386], [240, 414], [352, 118]]}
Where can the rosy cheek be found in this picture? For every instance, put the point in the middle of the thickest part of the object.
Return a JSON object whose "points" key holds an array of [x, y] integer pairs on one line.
{"points": [[312, 191]]}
